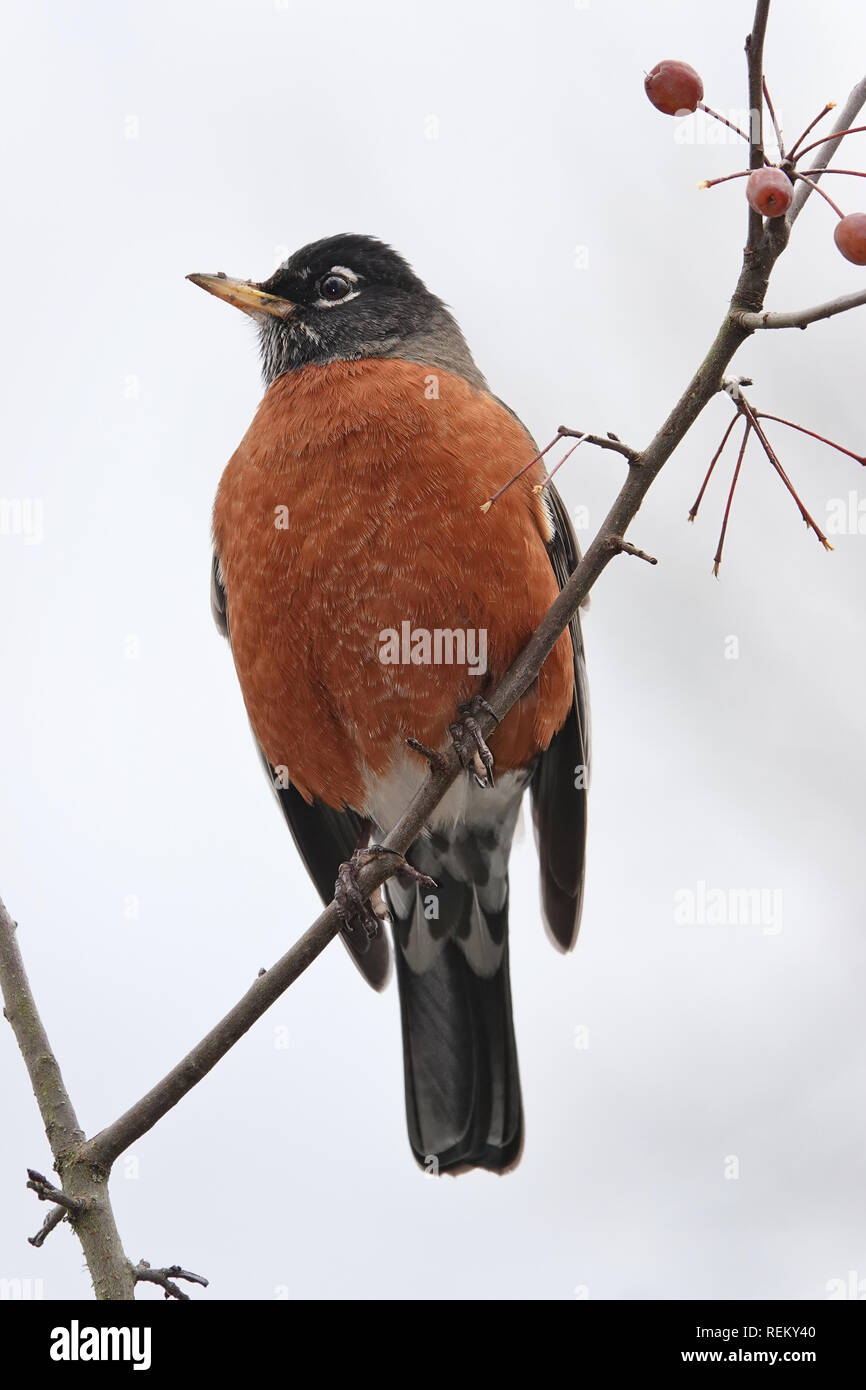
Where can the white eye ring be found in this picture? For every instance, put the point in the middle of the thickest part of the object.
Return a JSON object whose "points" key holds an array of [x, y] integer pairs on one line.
{"points": [[348, 278], [335, 303]]}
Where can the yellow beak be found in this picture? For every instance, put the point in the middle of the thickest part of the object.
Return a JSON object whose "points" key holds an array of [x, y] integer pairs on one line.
{"points": [[243, 294]]}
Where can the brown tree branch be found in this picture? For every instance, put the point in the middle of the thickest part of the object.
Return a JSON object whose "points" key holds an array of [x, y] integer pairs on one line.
{"points": [[755, 60], [143, 1273], [801, 318], [92, 1219], [601, 441]]}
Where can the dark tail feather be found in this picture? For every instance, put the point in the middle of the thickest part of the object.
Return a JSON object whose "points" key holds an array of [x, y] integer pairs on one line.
{"points": [[460, 1058]]}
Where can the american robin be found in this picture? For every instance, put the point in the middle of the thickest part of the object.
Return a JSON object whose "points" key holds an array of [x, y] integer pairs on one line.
{"points": [[367, 597]]}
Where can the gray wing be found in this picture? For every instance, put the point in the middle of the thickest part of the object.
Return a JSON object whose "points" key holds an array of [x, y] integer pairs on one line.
{"points": [[559, 807], [559, 786]]}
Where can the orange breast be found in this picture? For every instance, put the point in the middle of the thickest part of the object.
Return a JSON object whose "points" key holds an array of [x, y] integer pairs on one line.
{"points": [[350, 510]]}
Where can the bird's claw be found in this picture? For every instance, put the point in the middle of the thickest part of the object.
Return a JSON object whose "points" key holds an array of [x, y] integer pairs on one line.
{"points": [[469, 741], [357, 911]]}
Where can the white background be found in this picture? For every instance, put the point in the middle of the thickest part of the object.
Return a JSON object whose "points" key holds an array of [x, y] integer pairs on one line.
{"points": [[144, 141]]}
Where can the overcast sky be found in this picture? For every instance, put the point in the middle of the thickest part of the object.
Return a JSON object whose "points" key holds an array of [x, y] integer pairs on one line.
{"points": [[693, 1093]]}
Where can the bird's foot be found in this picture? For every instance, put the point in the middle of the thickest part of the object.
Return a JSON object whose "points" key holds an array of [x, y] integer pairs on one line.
{"points": [[359, 913], [469, 742]]}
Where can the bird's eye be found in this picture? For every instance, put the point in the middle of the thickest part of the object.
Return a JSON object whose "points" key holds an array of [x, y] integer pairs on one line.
{"points": [[334, 287]]}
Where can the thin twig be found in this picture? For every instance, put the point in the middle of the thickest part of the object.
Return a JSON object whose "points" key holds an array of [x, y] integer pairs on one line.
{"points": [[844, 121], [602, 441], [725, 178], [539, 487], [519, 474], [702, 106], [816, 188], [435, 759], [850, 130], [773, 118], [774, 460], [792, 153], [858, 458], [623, 547], [709, 473], [852, 173], [740, 456], [47, 1192], [54, 1218]]}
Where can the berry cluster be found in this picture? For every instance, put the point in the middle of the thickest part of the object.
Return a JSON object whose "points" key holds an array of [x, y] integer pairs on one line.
{"points": [[676, 89]]}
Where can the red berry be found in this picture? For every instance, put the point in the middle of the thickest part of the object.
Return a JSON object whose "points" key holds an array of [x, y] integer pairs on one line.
{"points": [[673, 87], [850, 237], [770, 192]]}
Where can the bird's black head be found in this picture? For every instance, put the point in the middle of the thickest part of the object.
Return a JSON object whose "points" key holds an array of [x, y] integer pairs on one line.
{"points": [[344, 298]]}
